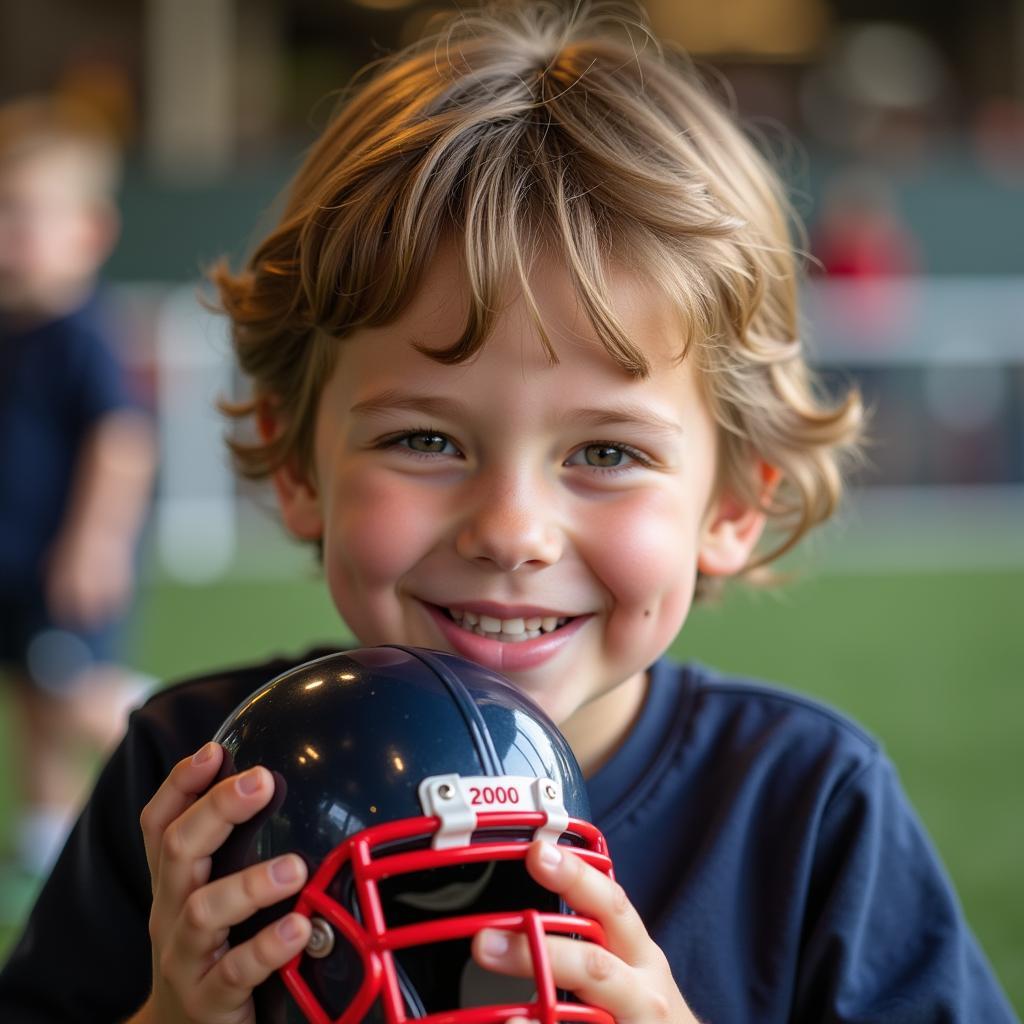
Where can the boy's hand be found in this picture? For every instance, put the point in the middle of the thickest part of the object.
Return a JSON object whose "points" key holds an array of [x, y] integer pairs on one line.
{"points": [[631, 979], [196, 976]]}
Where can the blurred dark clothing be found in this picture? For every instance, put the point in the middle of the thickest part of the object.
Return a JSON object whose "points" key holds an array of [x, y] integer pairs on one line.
{"points": [[57, 380]]}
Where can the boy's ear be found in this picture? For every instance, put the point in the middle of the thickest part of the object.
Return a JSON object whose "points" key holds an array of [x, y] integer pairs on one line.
{"points": [[299, 503], [297, 497], [733, 528]]}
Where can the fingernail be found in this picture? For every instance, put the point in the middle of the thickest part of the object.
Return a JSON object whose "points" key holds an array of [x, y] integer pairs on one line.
{"points": [[288, 928], [494, 943], [550, 855], [250, 781], [204, 753], [285, 869]]}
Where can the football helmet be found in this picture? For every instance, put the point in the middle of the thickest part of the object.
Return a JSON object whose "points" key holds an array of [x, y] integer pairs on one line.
{"points": [[412, 783]]}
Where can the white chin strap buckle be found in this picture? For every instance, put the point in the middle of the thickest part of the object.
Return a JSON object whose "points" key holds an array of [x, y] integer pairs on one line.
{"points": [[458, 800]]}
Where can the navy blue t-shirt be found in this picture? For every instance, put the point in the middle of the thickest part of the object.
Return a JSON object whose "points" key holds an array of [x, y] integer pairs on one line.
{"points": [[764, 839], [772, 854], [56, 381]]}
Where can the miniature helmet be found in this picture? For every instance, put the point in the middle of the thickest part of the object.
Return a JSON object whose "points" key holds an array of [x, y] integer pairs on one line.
{"points": [[412, 783]]}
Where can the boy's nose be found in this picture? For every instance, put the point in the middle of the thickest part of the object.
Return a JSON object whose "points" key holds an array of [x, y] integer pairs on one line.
{"points": [[508, 529]]}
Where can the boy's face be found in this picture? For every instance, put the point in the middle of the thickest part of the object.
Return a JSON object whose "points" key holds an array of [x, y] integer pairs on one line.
{"points": [[451, 497], [52, 238]]}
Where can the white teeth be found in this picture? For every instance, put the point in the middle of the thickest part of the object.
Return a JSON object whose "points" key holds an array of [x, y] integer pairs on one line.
{"points": [[507, 630]]}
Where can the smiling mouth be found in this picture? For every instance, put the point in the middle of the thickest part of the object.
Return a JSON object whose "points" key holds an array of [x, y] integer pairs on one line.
{"points": [[509, 631]]}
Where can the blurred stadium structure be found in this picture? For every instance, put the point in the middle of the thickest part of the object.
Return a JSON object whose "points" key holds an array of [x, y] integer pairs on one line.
{"points": [[943, 370], [899, 126]]}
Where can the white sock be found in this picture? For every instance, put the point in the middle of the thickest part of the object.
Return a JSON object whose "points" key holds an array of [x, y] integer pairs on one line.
{"points": [[39, 838]]}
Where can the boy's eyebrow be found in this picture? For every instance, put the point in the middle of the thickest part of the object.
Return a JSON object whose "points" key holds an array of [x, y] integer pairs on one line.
{"points": [[625, 414], [617, 415], [393, 398]]}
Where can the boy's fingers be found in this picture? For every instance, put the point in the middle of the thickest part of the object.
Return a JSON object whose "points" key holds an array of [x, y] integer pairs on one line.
{"points": [[201, 933], [588, 970], [190, 840], [229, 983], [591, 893], [187, 781], [230, 900]]}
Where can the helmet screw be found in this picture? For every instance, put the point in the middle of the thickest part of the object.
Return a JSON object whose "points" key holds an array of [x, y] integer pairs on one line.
{"points": [[321, 939], [550, 792], [445, 791]]}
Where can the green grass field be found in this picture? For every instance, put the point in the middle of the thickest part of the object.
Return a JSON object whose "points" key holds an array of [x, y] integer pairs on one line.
{"points": [[930, 662]]}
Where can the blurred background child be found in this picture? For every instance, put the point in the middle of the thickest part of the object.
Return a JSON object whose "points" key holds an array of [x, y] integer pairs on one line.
{"points": [[77, 460]]}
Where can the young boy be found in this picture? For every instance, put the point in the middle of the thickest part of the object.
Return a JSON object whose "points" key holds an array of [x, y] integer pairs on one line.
{"points": [[76, 464], [527, 371]]}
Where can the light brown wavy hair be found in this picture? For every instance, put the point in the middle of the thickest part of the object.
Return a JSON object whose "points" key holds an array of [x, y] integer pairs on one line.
{"points": [[523, 128]]}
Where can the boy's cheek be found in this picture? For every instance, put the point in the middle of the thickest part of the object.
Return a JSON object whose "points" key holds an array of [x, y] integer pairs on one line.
{"points": [[648, 565], [650, 626], [643, 551], [373, 537], [373, 527]]}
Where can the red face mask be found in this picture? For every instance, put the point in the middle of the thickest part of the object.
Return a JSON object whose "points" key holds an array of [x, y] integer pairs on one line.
{"points": [[399, 903]]}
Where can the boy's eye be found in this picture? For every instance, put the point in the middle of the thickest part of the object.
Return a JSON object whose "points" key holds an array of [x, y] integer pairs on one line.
{"points": [[428, 443], [603, 456]]}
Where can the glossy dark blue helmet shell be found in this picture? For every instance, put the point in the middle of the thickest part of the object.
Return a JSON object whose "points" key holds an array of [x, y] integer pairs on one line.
{"points": [[350, 736], [353, 734]]}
